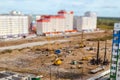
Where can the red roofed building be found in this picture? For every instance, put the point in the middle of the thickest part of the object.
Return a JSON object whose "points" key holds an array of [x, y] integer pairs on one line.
{"points": [[61, 22]]}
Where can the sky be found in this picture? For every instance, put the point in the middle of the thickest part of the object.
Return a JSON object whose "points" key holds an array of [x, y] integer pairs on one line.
{"points": [[105, 8]]}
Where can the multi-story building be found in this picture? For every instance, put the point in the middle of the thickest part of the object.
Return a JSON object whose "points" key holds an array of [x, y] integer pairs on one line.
{"points": [[34, 23], [62, 22], [115, 60], [13, 26], [86, 22]]}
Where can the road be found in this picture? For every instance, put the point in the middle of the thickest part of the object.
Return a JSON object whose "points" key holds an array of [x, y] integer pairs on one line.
{"points": [[30, 44]]}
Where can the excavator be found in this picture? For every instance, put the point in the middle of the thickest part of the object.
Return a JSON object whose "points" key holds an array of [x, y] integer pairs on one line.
{"points": [[58, 61], [82, 45]]}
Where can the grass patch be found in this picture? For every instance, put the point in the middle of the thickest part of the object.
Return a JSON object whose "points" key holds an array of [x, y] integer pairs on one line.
{"points": [[106, 23], [101, 39], [6, 51], [105, 27]]}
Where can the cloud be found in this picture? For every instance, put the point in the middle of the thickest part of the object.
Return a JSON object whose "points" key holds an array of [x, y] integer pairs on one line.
{"points": [[52, 6], [110, 7]]}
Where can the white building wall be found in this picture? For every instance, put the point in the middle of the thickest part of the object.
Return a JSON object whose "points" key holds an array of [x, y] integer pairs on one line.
{"points": [[53, 25], [13, 25], [57, 23], [87, 22], [62, 25], [40, 28], [38, 17], [68, 21]]}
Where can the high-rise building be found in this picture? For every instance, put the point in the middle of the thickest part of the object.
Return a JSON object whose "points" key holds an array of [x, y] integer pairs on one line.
{"points": [[13, 26], [86, 22], [62, 22], [115, 60], [15, 13]]}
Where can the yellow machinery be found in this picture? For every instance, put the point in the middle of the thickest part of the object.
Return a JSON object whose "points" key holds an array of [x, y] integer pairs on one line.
{"points": [[58, 61], [86, 58], [82, 45]]}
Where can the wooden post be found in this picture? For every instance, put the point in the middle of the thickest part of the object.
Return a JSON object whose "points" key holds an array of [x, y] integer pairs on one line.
{"points": [[97, 57], [50, 74]]}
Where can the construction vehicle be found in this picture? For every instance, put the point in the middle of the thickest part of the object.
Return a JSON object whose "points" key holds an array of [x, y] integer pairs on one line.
{"points": [[74, 62], [57, 62], [86, 58], [82, 45], [89, 48]]}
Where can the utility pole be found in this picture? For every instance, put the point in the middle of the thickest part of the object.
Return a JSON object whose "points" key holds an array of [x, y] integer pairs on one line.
{"points": [[50, 74], [105, 51], [82, 36], [105, 62], [97, 57]]}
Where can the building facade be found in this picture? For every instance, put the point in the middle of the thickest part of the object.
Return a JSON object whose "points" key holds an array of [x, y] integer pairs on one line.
{"points": [[86, 22], [115, 60], [62, 22], [13, 26]]}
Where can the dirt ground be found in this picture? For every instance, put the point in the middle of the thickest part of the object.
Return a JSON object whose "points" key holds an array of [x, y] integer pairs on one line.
{"points": [[39, 59], [37, 39]]}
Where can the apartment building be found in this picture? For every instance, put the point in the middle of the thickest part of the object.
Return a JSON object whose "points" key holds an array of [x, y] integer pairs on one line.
{"points": [[115, 60], [50, 24], [13, 26], [86, 22]]}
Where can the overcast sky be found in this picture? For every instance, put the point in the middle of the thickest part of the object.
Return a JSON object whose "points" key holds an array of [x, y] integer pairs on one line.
{"points": [[101, 7]]}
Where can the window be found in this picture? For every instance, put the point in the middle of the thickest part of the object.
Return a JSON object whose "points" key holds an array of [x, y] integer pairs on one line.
{"points": [[113, 62], [114, 56], [112, 79], [112, 73], [119, 63], [115, 50], [116, 32], [114, 68], [115, 38], [117, 25], [118, 75], [116, 44]]}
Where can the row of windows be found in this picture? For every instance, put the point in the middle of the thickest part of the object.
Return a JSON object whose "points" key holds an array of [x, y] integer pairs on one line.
{"points": [[112, 79], [114, 62], [115, 38], [114, 56], [115, 50], [7, 31], [13, 20], [113, 73], [116, 44], [116, 32], [114, 68]]}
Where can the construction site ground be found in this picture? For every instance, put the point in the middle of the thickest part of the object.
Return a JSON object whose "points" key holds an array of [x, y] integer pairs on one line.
{"points": [[39, 59]]}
